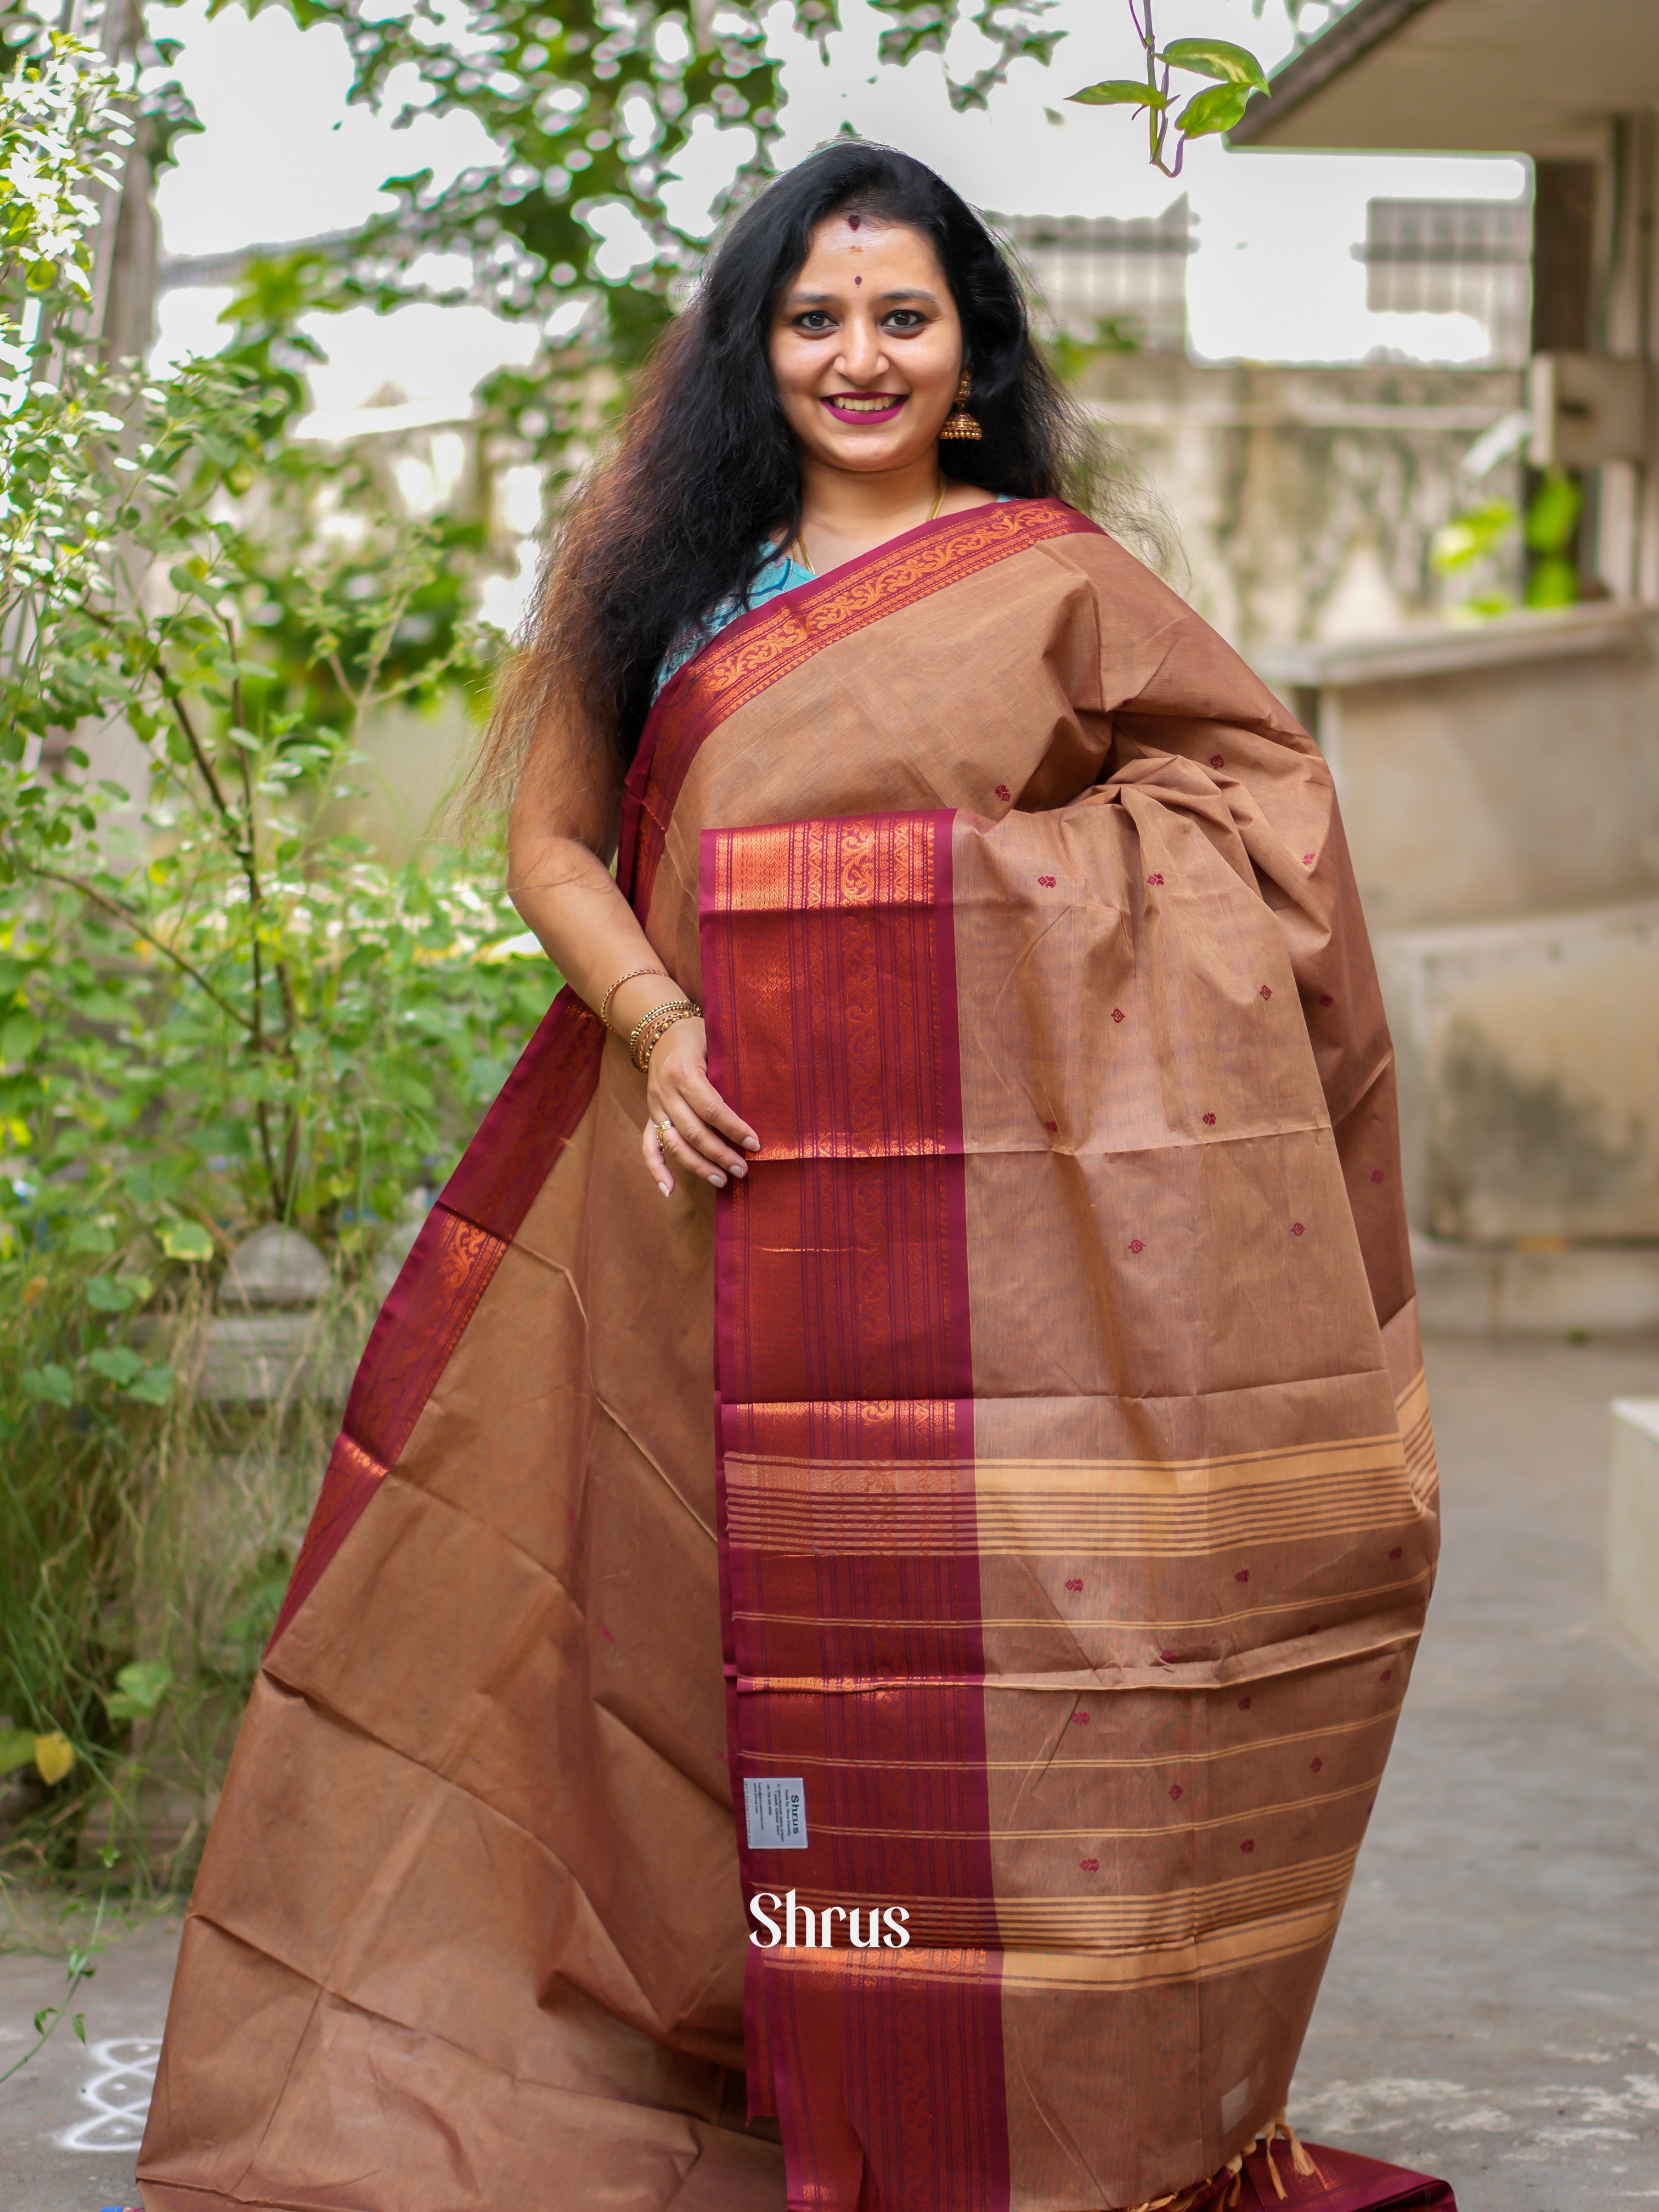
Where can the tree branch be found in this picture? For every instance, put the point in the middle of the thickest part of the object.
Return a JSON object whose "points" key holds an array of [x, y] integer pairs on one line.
{"points": [[125, 916], [241, 840], [175, 699], [281, 1183]]}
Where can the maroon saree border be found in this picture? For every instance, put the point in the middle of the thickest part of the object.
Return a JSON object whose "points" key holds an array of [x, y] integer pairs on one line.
{"points": [[841, 1334], [533, 1118], [772, 641], [449, 1267], [1343, 2181], [544, 1098]]}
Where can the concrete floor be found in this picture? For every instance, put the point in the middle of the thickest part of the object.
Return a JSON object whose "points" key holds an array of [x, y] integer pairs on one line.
{"points": [[71, 2122], [1492, 2010]]}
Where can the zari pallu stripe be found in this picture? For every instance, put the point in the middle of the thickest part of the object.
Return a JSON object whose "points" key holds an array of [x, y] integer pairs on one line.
{"points": [[842, 1343], [1099, 1698]]}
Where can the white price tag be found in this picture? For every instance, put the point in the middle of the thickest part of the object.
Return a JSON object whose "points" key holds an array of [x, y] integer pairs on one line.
{"points": [[775, 1808]]}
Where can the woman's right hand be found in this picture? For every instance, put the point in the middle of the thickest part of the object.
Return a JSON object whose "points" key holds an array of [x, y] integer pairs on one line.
{"points": [[568, 896], [690, 1127]]}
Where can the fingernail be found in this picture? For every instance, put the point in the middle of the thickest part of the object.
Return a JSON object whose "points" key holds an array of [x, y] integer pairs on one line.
{"points": [[740, 1170], [666, 1189], [752, 1144], [719, 1181]]}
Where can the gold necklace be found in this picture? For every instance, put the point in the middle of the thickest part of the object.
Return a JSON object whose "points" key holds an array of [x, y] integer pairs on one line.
{"points": [[797, 551]]}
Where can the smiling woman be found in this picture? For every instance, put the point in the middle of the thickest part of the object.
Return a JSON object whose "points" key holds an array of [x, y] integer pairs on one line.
{"points": [[912, 1398], [867, 349], [736, 438]]}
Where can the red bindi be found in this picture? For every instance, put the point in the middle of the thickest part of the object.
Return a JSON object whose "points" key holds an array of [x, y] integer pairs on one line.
{"points": [[853, 222], [857, 280]]}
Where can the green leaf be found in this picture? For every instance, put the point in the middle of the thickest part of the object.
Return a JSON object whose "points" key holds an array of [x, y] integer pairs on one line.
{"points": [[139, 1689], [1119, 92], [1467, 537], [187, 1240], [19, 1036], [54, 1383], [106, 1295], [153, 1388], [118, 1366], [1216, 58], [1553, 582], [17, 1749], [1552, 516], [146, 1680], [1214, 111]]}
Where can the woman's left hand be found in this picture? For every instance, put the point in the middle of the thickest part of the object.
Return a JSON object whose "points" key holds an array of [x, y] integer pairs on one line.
{"points": [[690, 1125]]}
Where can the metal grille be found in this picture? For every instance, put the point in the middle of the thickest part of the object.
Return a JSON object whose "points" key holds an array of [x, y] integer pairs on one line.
{"points": [[1454, 257], [1129, 273]]}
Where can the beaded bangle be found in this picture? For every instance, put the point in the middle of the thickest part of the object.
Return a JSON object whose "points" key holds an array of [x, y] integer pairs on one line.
{"points": [[655, 1026], [632, 976]]}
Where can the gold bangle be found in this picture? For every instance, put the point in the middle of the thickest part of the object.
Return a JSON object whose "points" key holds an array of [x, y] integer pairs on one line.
{"points": [[660, 1019], [644, 1041], [661, 1007], [654, 1035], [632, 976]]}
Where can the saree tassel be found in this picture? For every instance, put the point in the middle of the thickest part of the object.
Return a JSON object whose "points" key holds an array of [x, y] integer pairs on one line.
{"points": [[1179, 2200], [1302, 2158], [1279, 2129], [1267, 2141], [1222, 2191]]}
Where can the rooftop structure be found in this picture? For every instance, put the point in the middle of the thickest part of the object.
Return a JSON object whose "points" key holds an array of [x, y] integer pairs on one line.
{"points": [[1535, 77], [1524, 1000]]}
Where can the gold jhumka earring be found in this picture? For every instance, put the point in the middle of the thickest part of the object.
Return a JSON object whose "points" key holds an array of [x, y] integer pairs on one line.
{"points": [[960, 423]]}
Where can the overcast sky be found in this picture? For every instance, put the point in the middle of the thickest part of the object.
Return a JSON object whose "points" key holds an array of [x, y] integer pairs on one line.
{"points": [[282, 156]]}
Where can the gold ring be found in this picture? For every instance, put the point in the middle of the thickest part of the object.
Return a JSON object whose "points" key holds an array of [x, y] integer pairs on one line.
{"points": [[665, 1130]]}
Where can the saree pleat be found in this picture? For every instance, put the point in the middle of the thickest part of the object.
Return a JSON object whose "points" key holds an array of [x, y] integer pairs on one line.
{"points": [[1028, 1461]]}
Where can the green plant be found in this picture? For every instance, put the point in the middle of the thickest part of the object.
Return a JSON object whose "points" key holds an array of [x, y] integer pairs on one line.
{"points": [[135, 1159], [1070, 357], [80, 1965], [1546, 530], [1234, 70], [214, 1011], [1552, 520]]}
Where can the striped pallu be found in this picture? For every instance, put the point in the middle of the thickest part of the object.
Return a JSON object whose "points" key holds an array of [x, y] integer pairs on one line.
{"points": [[1106, 1726], [1040, 1431]]}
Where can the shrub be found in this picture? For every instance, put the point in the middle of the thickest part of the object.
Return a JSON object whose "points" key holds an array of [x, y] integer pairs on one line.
{"points": [[213, 1014]]}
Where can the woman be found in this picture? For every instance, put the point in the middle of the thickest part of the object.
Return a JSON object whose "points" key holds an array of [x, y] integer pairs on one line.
{"points": [[944, 1250]]}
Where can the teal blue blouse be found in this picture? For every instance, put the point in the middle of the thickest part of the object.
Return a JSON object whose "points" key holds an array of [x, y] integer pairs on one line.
{"points": [[782, 573]]}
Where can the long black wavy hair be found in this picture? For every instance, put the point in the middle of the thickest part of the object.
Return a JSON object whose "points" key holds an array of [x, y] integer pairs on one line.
{"points": [[705, 477]]}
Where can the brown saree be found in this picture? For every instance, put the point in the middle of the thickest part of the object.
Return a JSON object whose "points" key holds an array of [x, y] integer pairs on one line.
{"points": [[1039, 1433]]}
